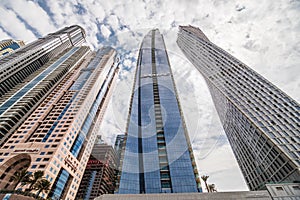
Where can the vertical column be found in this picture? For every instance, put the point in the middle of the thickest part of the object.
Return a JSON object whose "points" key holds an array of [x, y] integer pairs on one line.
{"points": [[165, 178]]}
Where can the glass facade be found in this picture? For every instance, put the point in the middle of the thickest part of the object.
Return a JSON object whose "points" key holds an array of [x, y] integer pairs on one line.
{"points": [[260, 121], [157, 157]]}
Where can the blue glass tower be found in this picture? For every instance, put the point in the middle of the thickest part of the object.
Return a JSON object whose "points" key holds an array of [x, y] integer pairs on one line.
{"points": [[157, 156]]}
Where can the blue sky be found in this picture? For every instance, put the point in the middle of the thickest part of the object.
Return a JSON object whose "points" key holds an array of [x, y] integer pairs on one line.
{"points": [[264, 34]]}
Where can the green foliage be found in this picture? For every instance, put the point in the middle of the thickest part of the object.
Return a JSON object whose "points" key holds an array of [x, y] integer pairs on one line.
{"points": [[21, 177], [42, 185], [35, 178], [35, 181]]}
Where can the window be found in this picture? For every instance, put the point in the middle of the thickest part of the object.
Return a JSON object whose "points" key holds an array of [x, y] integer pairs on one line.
{"points": [[279, 188], [38, 159], [296, 187]]}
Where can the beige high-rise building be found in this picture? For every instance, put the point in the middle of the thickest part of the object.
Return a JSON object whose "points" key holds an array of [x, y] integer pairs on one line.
{"points": [[59, 133], [260, 121]]}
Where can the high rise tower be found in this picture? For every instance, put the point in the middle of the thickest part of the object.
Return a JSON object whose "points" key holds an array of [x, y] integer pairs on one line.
{"points": [[66, 98], [118, 147], [158, 157], [99, 174], [8, 46], [25, 78], [261, 121]]}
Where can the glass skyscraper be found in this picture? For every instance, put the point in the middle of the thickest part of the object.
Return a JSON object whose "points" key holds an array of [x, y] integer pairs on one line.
{"points": [[118, 147], [56, 110], [158, 156], [262, 123]]}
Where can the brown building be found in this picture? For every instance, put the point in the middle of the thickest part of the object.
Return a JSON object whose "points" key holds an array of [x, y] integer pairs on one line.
{"points": [[99, 174]]}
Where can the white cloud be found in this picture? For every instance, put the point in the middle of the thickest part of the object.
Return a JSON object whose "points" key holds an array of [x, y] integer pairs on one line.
{"points": [[127, 62], [95, 9], [33, 15], [3, 35], [14, 26], [105, 31], [113, 21]]}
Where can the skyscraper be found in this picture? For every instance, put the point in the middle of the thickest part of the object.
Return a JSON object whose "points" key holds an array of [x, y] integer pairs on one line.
{"points": [[158, 156], [66, 100], [25, 79], [260, 121], [99, 174], [118, 147], [8, 46]]}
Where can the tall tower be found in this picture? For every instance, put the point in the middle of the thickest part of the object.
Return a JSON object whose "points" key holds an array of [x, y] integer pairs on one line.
{"points": [[66, 97], [99, 174], [25, 75], [261, 121], [158, 157], [118, 147], [8, 46]]}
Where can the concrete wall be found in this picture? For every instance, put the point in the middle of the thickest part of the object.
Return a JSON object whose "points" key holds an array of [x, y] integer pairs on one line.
{"points": [[251, 195]]}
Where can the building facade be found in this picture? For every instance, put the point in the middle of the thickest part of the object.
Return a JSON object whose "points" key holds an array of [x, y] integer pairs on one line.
{"points": [[260, 121], [67, 100], [157, 156], [99, 174], [24, 75], [8, 46], [118, 147]]}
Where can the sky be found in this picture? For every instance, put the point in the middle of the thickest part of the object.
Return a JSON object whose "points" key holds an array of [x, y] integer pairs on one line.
{"points": [[264, 34]]}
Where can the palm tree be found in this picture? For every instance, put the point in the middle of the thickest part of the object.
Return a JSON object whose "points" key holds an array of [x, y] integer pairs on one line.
{"points": [[21, 177], [212, 188], [42, 185], [36, 176], [204, 178]]}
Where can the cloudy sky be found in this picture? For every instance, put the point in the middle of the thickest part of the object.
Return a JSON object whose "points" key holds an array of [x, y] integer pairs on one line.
{"points": [[264, 34]]}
